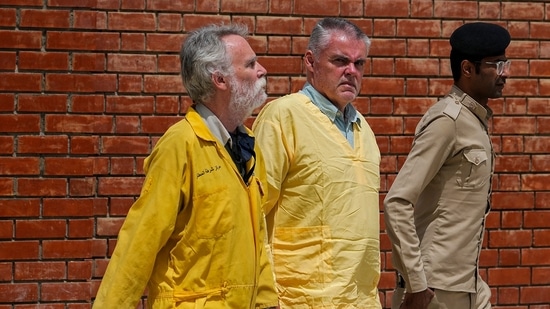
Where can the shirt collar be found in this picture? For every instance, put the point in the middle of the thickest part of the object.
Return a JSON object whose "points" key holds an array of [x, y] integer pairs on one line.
{"points": [[482, 112], [214, 124], [327, 107]]}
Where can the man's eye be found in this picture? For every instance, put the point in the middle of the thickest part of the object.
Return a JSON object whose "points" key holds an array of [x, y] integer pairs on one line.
{"points": [[340, 62], [359, 63]]}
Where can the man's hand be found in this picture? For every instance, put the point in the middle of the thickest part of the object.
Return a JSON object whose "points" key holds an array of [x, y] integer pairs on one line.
{"points": [[419, 300]]}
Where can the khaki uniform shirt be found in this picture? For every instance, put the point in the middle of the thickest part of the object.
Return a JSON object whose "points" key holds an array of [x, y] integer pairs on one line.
{"points": [[435, 210]]}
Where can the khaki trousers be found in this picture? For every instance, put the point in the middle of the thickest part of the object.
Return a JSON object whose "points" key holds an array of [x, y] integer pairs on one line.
{"points": [[452, 300]]}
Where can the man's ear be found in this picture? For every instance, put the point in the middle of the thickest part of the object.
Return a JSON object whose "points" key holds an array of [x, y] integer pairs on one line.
{"points": [[468, 68], [309, 59], [219, 81]]}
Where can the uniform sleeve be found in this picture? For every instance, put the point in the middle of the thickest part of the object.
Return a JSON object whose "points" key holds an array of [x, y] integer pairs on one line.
{"points": [[430, 149], [267, 293], [145, 231], [275, 148]]}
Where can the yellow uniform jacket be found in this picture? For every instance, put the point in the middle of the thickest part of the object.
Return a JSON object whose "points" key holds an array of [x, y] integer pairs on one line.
{"points": [[196, 234], [323, 210]]}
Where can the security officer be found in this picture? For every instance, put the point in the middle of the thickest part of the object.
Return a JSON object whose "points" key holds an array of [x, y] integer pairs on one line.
{"points": [[436, 208]]}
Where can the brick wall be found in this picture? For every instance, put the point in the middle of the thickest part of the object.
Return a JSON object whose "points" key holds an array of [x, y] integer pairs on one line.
{"points": [[87, 87]]}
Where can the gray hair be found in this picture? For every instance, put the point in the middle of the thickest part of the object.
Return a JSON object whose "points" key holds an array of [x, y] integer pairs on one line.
{"points": [[204, 53], [320, 35]]}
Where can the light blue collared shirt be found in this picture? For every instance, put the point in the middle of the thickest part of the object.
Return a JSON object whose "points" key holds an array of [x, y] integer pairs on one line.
{"points": [[343, 121]]}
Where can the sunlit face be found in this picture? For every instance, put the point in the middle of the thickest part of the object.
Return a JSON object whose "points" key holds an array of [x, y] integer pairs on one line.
{"points": [[488, 84], [248, 82], [338, 70]]}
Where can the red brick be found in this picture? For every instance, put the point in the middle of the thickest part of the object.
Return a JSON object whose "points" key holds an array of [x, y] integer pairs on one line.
{"points": [[79, 124], [510, 238], [18, 292], [169, 64], [168, 5], [132, 4], [109, 226], [7, 145], [127, 124], [541, 276], [19, 208], [85, 145], [386, 8], [130, 104], [20, 123], [170, 22], [130, 84], [285, 26], [19, 166], [45, 18], [80, 270], [537, 182], [538, 144], [67, 249], [38, 229], [61, 207], [535, 257], [132, 41], [509, 276], [455, 9], [45, 187], [42, 103], [82, 187], [523, 11], [120, 205], [131, 21], [119, 186], [80, 82], [167, 105], [98, 41], [162, 84], [20, 81], [7, 17], [509, 257], [164, 42], [20, 39], [7, 61], [6, 231], [69, 166], [27, 271], [157, 124], [91, 62], [89, 20], [383, 86], [125, 145], [67, 291], [88, 104], [20, 250], [418, 28], [81, 228], [535, 295]]}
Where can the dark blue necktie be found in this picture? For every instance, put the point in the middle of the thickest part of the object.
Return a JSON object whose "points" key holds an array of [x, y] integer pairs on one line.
{"points": [[241, 152]]}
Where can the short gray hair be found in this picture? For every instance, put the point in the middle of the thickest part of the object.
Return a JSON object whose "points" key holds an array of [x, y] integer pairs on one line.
{"points": [[320, 34], [202, 54]]}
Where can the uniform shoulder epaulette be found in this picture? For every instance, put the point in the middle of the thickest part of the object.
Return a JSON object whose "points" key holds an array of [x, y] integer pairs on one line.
{"points": [[453, 108]]}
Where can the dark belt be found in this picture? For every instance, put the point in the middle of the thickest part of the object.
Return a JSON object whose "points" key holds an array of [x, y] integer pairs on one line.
{"points": [[400, 282]]}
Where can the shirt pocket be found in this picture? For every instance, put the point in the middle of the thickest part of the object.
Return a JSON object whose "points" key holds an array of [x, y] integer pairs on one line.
{"points": [[475, 169], [213, 214], [303, 255]]}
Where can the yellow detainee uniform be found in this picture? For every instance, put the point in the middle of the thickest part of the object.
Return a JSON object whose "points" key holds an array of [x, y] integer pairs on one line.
{"points": [[323, 210], [197, 232]]}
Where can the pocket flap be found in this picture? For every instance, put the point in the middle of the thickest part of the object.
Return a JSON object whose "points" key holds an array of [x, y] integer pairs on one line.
{"points": [[475, 156]]}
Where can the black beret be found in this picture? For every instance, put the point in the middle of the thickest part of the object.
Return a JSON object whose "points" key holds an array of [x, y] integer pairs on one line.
{"points": [[479, 40]]}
